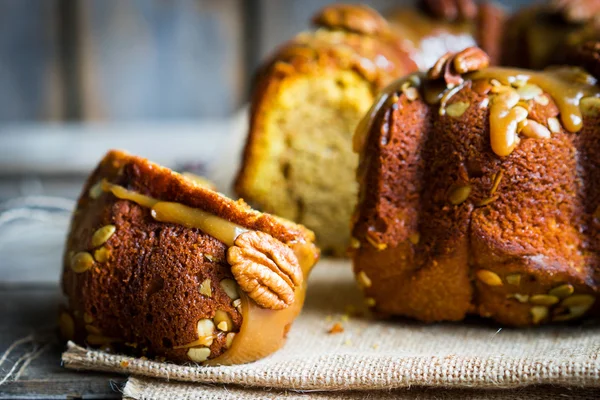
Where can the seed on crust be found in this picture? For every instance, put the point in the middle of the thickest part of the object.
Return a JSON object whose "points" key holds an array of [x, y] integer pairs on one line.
{"points": [[363, 280], [578, 300], [205, 288], [102, 254], [223, 321], [529, 91], [486, 201], [354, 243], [538, 313], [534, 130], [562, 291], [229, 339], [590, 106], [96, 190], [542, 100], [457, 109], [237, 303], [370, 302], [81, 262], [521, 298], [410, 92], [459, 195], [496, 183], [488, 277], [102, 235], [87, 318], [513, 279], [553, 125], [414, 238], [93, 330], [230, 287], [543, 299], [374, 243], [198, 354], [206, 330]]}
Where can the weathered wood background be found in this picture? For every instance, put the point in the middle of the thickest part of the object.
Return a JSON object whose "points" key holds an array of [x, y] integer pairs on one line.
{"points": [[120, 60]]}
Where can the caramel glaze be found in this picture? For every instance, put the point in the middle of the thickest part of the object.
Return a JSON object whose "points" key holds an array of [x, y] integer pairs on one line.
{"points": [[263, 331], [566, 85]]}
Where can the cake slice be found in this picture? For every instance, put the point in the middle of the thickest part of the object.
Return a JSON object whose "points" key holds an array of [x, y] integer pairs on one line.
{"points": [[156, 264]]}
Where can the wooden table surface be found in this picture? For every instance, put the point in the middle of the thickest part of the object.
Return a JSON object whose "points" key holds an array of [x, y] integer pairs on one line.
{"points": [[42, 168], [30, 308]]}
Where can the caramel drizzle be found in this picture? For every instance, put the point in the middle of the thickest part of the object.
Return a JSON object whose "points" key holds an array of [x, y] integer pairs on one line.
{"points": [[263, 331], [176, 213], [566, 85]]}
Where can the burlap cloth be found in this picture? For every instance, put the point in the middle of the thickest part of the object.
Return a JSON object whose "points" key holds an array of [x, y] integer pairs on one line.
{"points": [[376, 355]]}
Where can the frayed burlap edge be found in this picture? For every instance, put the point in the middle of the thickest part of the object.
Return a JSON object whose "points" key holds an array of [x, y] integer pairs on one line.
{"points": [[332, 373]]}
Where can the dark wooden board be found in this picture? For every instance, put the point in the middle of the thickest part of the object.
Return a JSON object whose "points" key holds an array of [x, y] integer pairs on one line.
{"points": [[27, 309]]}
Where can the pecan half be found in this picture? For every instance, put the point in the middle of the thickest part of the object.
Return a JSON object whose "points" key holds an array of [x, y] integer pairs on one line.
{"points": [[356, 18], [451, 10], [266, 269], [451, 65]]}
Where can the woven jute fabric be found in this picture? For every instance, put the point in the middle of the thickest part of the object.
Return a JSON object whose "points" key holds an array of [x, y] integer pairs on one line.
{"points": [[151, 389], [378, 355]]}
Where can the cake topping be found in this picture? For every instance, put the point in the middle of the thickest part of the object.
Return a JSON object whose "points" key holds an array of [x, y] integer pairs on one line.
{"points": [[566, 85], [452, 10], [81, 262], [451, 65], [505, 116], [352, 18], [265, 269]]}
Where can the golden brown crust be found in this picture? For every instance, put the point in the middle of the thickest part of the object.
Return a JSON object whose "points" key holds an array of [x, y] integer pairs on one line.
{"points": [[149, 283], [352, 18], [446, 228], [376, 57]]}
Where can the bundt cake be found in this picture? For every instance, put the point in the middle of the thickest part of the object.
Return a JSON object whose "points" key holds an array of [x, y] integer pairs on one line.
{"points": [[158, 265], [309, 97], [480, 194]]}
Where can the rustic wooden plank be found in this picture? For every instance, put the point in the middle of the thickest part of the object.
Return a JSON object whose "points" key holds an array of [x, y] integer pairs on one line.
{"points": [[29, 70], [28, 309], [160, 60]]}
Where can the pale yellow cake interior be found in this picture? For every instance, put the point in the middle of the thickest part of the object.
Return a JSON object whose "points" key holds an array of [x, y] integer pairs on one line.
{"points": [[306, 170]]}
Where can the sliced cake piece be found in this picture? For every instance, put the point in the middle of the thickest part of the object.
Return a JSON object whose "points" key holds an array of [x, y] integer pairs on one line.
{"points": [[159, 265]]}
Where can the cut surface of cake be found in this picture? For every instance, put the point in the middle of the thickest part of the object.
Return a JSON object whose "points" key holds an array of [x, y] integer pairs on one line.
{"points": [[480, 195], [308, 99], [159, 265]]}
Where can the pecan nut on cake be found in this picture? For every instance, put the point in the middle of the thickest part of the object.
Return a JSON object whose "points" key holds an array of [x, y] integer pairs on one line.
{"points": [[159, 265], [480, 194], [310, 95]]}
